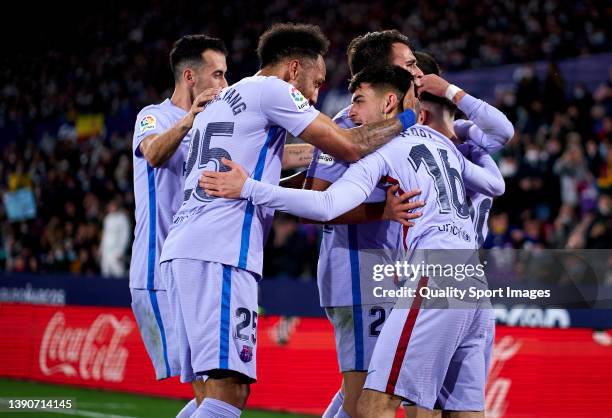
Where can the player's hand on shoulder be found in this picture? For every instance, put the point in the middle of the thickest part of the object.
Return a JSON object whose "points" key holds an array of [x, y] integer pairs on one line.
{"points": [[397, 207], [227, 184], [433, 84], [462, 129], [200, 102]]}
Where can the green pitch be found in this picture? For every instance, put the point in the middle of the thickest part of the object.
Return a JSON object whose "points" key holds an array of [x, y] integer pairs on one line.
{"points": [[91, 403]]}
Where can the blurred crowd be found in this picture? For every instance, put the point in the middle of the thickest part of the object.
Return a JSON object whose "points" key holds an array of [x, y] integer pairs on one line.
{"points": [[68, 103], [78, 186], [558, 168], [113, 57]]}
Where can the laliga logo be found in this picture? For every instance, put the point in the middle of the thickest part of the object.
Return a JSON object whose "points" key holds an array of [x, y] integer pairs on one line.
{"points": [[299, 100], [96, 352], [498, 387], [146, 121], [297, 96]]}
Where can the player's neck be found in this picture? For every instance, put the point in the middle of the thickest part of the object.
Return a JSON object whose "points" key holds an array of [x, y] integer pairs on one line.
{"points": [[390, 115], [181, 98], [444, 128], [273, 71]]}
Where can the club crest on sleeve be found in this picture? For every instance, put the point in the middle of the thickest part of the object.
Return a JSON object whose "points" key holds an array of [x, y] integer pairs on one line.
{"points": [[298, 99], [325, 159], [246, 354], [147, 123]]}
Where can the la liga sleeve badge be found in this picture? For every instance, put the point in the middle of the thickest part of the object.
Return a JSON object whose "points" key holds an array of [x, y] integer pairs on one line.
{"points": [[147, 123], [298, 99]]}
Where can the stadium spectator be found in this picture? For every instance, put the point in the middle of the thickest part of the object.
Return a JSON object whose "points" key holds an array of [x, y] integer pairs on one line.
{"points": [[116, 235]]}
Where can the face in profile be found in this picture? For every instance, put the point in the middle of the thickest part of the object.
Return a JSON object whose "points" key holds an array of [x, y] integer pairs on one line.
{"points": [[402, 56], [367, 105], [212, 73], [310, 78]]}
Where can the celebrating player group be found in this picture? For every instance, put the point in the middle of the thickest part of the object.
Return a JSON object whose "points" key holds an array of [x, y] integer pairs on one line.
{"points": [[393, 171]]}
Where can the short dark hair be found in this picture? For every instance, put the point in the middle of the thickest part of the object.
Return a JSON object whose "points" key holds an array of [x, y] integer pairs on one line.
{"points": [[189, 49], [384, 77], [427, 63], [373, 47], [441, 101], [284, 40]]}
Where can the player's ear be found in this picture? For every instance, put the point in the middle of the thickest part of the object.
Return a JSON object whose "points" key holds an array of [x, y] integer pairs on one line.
{"points": [[423, 117], [188, 77], [391, 103], [293, 67]]}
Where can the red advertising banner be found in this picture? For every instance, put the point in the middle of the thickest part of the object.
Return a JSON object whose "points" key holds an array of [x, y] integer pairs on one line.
{"points": [[535, 372]]}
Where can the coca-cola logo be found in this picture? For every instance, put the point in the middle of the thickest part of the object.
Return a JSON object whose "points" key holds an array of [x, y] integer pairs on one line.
{"points": [[95, 352], [498, 386]]}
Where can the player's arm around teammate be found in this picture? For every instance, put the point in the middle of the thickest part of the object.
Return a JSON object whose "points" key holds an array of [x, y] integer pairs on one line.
{"points": [[398, 208], [348, 144], [297, 155], [307, 75], [353, 144], [389, 47], [341, 196]]}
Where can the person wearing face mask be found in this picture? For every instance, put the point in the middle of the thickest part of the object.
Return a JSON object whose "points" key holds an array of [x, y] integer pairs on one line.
{"points": [[599, 233]]}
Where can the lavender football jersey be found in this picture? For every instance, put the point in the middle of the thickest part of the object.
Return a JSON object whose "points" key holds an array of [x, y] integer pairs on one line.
{"points": [[420, 158], [246, 123], [157, 194], [339, 263], [489, 130], [442, 173], [480, 207], [480, 204]]}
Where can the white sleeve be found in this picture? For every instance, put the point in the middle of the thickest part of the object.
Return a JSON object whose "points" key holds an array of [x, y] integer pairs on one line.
{"points": [[345, 194], [491, 129], [150, 121], [482, 175]]}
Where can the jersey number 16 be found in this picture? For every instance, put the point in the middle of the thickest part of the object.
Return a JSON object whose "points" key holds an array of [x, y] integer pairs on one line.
{"points": [[444, 180]]}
